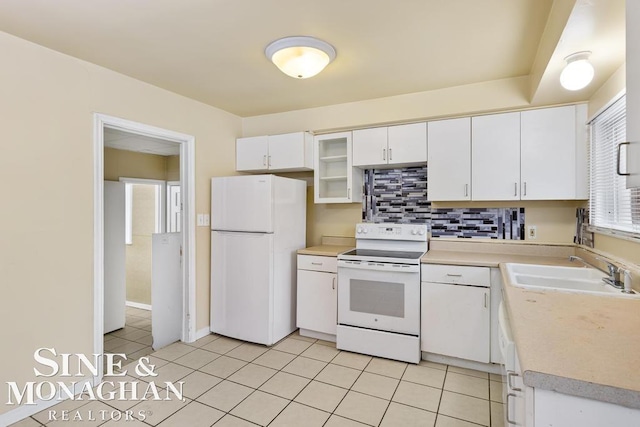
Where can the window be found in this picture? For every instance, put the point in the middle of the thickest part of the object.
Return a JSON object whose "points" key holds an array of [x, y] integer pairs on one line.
{"points": [[612, 206]]}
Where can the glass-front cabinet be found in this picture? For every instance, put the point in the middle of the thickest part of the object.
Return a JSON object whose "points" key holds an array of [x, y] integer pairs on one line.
{"points": [[335, 178]]}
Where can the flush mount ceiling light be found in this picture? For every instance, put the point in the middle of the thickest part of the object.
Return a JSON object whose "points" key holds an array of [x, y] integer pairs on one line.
{"points": [[578, 72], [300, 57]]}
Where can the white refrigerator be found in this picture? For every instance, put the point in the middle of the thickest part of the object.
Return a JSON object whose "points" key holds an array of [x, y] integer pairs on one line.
{"points": [[258, 222]]}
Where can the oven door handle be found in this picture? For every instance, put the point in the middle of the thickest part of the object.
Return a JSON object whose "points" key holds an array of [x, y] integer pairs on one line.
{"points": [[378, 266]]}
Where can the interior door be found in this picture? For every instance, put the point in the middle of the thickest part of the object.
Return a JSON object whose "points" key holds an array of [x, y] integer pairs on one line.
{"points": [[114, 256], [166, 289]]}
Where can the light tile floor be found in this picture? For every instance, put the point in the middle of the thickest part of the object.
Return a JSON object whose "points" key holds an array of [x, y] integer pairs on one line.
{"points": [[134, 339], [300, 382]]}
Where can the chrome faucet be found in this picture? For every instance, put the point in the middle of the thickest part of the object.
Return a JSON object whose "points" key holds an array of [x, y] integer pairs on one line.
{"points": [[614, 274], [577, 258]]}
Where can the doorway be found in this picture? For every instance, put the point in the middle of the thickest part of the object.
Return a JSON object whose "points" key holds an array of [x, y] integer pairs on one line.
{"points": [[145, 212], [139, 320]]}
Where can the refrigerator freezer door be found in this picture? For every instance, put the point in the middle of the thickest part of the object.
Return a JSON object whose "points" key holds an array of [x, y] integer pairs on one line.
{"points": [[242, 285], [242, 203]]}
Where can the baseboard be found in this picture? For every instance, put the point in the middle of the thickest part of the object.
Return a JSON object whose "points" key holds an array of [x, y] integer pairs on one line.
{"points": [[138, 305], [24, 411], [201, 333], [491, 368], [317, 335]]}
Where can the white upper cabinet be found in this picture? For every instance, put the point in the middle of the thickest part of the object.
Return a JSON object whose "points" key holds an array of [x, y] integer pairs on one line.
{"points": [[407, 144], [275, 153], [370, 147], [633, 94], [549, 154], [396, 146], [495, 156], [449, 159], [335, 178], [252, 153]]}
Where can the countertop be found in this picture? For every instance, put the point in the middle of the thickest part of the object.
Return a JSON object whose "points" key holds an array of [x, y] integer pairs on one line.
{"points": [[576, 344], [324, 250]]}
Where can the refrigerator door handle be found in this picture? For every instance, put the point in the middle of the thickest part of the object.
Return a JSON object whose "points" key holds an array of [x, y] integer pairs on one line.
{"points": [[240, 232]]}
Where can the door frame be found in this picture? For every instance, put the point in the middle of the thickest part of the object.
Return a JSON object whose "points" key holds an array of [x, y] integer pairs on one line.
{"points": [[187, 180]]}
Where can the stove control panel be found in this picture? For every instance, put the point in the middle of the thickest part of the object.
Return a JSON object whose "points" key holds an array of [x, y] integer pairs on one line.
{"points": [[416, 232]]}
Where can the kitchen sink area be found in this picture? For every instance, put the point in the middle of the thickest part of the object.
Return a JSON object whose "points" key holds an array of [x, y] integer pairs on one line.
{"points": [[584, 280]]}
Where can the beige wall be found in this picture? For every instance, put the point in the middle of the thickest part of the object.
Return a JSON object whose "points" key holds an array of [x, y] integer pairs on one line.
{"points": [[46, 249], [173, 168], [457, 101], [130, 164]]}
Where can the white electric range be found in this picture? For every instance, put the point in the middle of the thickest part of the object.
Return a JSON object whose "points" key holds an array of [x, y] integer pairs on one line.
{"points": [[379, 291]]}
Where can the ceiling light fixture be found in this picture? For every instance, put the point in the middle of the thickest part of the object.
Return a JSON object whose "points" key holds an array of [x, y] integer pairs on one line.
{"points": [[300, 57], [578, 72]]}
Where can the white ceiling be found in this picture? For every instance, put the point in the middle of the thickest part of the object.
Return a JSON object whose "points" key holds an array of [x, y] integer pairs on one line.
{"points": [[213, 50], [121, 140]]}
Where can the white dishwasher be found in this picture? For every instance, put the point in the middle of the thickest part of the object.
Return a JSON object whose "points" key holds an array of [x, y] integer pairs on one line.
{"points": [[456, 305]]}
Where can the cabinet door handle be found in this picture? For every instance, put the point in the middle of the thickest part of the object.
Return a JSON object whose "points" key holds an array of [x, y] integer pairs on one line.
{"points": [[264, 160], [524, 192], [390, 154], [618, 171], [511, 374], [333, 283], [348, 193], [384, 154], [269, 160], [316, 263], [509, 420], [466, 190], [515, 188], [485, 300], [453, 275]]}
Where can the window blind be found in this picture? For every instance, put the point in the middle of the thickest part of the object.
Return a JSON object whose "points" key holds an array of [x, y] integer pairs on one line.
{"points": [[611, 205]]}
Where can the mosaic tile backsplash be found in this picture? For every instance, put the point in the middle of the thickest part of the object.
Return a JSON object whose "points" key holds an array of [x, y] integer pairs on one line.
{"points": [[488, 223], [396, 195], [400, 196]]}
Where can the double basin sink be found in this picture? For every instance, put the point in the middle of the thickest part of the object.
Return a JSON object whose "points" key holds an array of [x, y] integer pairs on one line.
{"points": [[583, 280]]}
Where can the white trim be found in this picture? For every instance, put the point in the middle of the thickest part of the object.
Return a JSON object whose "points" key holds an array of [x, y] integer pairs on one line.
{"points": [[187, 179], [202, 332], [138, 305], [24, 411], [98, 236], [619, 234], [492, 368]]}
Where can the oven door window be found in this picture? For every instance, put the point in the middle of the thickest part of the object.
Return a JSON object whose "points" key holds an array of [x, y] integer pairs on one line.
{"points": [[381, 298]]}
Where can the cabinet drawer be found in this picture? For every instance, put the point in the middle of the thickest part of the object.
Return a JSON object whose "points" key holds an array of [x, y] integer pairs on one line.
{"points": [[457, 274], [318, 263]]}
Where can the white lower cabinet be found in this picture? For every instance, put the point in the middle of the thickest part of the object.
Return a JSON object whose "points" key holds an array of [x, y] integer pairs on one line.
{"points": [[526, 406], [455, 318], [317, 308]]}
